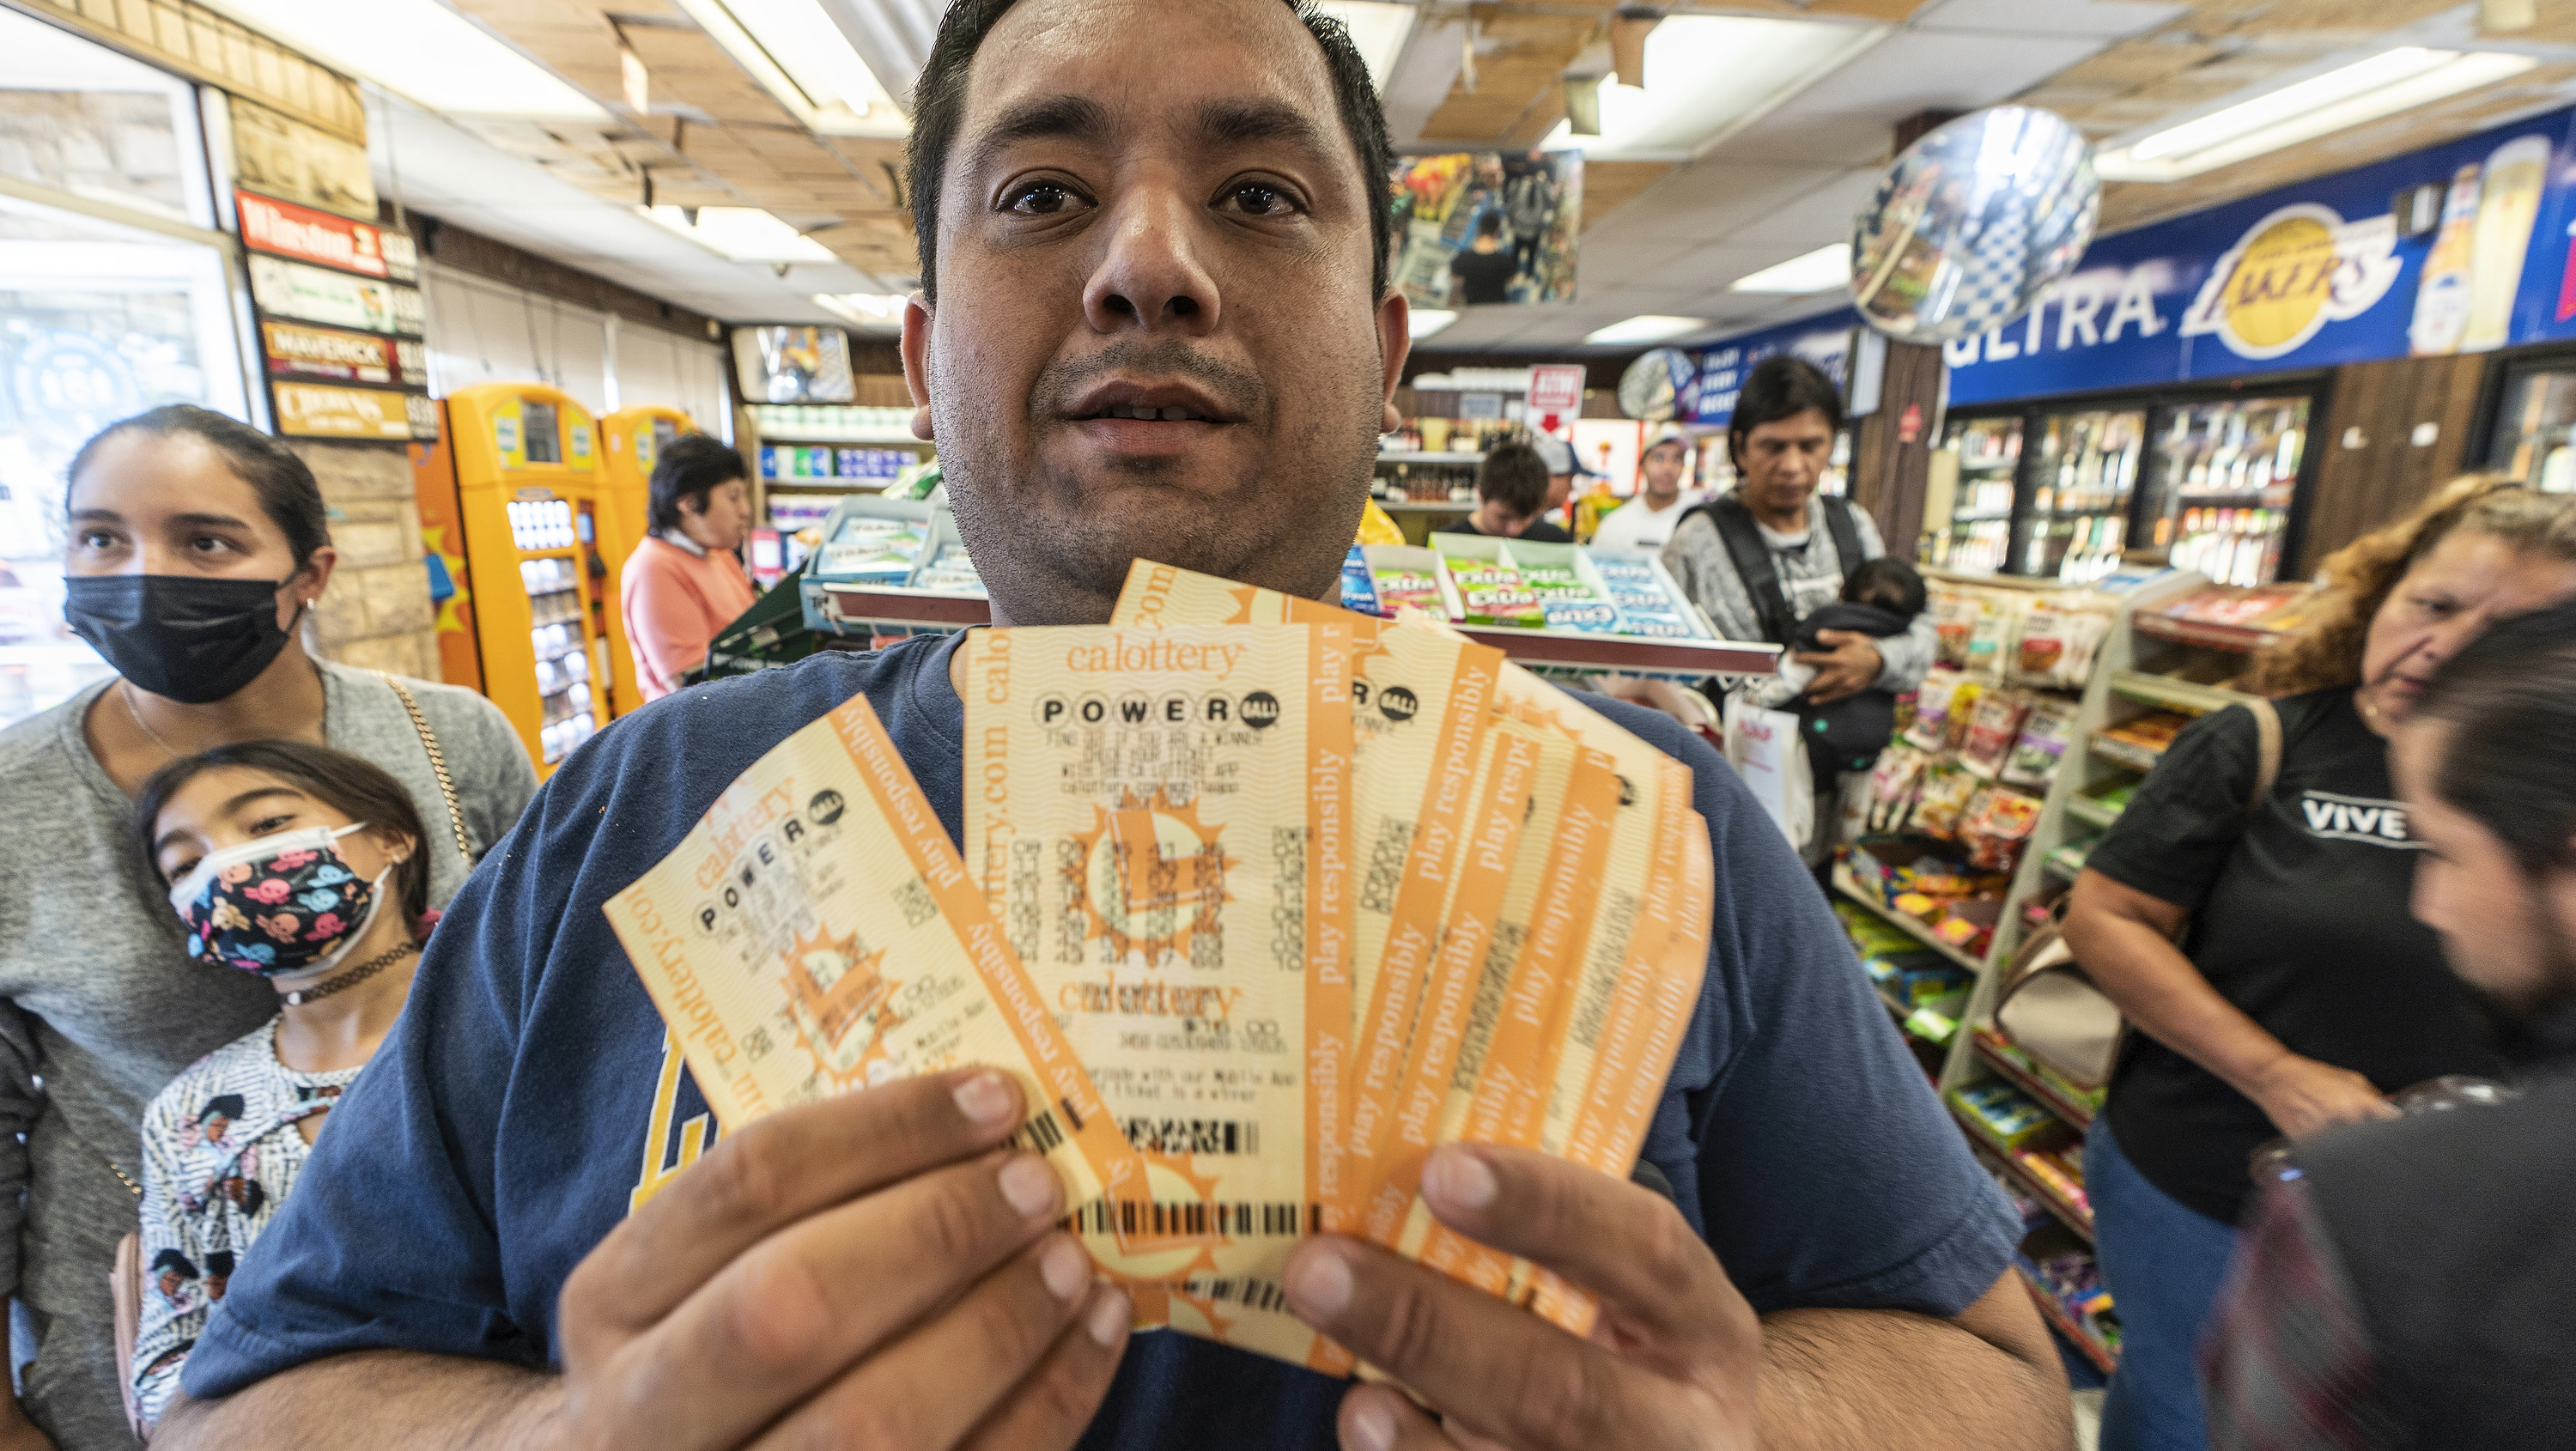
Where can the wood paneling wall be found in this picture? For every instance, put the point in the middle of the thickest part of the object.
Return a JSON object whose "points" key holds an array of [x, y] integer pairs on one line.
{"points": [[1888, 476], [2370, 470]]}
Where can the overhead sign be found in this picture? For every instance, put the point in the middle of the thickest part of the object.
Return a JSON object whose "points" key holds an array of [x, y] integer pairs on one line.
{"points": [[1555, 388], [268, 225], [1708, 395], [2307, 276], [299, 350], [318, 410], [293, 289]]}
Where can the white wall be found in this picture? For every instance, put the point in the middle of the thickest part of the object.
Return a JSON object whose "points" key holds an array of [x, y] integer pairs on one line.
{"points": [[483, 331]]}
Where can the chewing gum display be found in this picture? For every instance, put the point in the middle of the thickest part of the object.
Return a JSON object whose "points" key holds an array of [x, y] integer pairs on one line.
{"points": [[816, 933]]}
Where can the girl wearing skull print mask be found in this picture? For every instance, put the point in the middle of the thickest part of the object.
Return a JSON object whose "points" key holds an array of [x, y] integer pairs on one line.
{"points": [[297, 864], [195, 547]]}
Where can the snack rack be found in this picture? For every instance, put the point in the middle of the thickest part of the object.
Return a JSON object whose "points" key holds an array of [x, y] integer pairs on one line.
{"points": [[2047, 1117]]}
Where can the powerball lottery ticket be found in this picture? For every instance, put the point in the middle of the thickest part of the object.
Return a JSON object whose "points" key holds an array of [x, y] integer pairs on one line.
{"points": [[1160, 820], [817, 933]]}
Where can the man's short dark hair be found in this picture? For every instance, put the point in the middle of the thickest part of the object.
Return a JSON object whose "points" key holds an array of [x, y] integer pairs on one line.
{"points": [[691, 466], [1782, 386], [1490, 225], [1514, 476], [2510, 762], [939, 107], [1887, 582]]}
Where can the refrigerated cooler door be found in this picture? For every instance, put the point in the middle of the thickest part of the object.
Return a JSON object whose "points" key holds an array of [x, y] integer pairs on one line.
{"points": [[1974, 531], [2221, 480], [2076, 506], [2535, 441]]}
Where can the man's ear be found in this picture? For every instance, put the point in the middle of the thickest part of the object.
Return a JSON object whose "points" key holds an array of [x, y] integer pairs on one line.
{"points": [[1394, 342], [916, 361]]}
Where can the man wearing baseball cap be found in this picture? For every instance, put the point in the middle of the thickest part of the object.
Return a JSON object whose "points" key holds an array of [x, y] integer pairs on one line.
{"points": [[1646, 521]]}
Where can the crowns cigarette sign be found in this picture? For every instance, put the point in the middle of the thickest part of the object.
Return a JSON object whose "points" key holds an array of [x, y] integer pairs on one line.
{"points": [[2289, 275]]}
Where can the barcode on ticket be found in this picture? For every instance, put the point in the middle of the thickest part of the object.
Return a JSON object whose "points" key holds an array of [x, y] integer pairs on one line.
{"points": [[1040, 1135], [1193, 1135], [1134, 1217], [1242, 1290]]}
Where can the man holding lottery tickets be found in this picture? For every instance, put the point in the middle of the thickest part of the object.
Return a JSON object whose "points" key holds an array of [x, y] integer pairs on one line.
{"points": [[1125, 1028]]}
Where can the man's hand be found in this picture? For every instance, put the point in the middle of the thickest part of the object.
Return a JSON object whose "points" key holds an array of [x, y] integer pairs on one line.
{"points": [[870, 1270], [2302, 1095], [1849, 668], [1671, 1364]]}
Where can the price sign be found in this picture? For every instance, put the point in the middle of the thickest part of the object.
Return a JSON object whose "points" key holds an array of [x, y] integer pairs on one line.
{"points": [[1556, 388]]}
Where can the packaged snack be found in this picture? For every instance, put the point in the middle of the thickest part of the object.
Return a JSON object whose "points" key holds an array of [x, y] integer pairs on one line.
{"points": [[2044, 736], [1946, 789], [1398, 583], [1490, 592], [1963, 711], [1359, 592], [1892, 784], [1932, 709], [1992, 729], [1997, 827], [1954, 614], [1997, 627], [2059, 640]]}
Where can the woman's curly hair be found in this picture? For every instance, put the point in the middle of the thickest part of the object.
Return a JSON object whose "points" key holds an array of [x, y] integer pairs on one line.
{"points": [[2325, 650]]}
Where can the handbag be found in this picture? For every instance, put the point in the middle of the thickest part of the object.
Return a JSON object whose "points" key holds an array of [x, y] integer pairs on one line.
{"points": [[2051, 1010], [125, 1288], [437, 766]]}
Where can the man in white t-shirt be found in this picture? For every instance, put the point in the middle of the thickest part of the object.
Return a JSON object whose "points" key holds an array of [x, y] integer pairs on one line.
{"points": [[1646, 521]]}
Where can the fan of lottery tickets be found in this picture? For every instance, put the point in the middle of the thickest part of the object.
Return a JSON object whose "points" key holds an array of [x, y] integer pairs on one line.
{"points": [[1261, 901]]}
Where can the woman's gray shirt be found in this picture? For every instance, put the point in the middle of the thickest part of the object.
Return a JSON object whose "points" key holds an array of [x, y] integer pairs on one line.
{"points": [[103, 1006]]}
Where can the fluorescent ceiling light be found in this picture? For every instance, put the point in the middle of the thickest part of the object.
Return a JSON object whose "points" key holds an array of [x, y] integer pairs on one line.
{"points": [[420, 50], [1377, 27], [1708, 76], [804, 61], [1822, 270], [1428, 320], [1645, 328], [2383, 85], [744, 234], [867, 309]]}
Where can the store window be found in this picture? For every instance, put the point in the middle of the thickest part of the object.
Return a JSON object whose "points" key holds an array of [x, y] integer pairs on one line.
{"points": [[111, 302]]}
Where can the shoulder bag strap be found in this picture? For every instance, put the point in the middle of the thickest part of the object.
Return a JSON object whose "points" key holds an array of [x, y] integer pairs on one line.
{"points": [[1752, 560], [437, 766], [1838, 523], [2267, 754]]}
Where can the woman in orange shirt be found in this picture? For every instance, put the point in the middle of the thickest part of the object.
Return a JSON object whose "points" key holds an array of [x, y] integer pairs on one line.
{"points": [[686, 582]]}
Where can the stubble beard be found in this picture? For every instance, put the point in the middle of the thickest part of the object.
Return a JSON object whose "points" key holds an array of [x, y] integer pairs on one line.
{"points": [[1051, 551]]}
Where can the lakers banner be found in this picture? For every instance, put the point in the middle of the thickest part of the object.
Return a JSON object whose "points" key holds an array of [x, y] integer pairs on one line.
{"points": [[2458, 248]]}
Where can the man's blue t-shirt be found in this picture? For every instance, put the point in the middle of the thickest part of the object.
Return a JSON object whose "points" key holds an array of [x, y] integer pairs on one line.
{"points": [[529, 1098]]}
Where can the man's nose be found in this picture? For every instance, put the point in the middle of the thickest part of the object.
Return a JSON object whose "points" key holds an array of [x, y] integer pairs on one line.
{"points": [[1151, 279]]}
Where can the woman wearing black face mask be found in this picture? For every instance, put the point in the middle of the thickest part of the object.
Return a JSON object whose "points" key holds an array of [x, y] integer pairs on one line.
{"points": [[197, 544]]}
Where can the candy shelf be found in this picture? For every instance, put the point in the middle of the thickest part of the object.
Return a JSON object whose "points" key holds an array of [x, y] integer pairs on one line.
{"points": [[2009, 1162], [2054, 1312], [2004, 1058], [1844, 884]]}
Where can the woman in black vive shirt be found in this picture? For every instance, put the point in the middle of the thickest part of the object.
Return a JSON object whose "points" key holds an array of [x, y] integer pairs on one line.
{"points": [[2303, 991]]}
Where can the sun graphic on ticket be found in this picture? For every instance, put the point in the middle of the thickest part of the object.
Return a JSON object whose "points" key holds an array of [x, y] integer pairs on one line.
{"points": [[841, 1004], [1153, 880]]}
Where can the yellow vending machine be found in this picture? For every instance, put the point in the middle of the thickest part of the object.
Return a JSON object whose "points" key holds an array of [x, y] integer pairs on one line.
{"points": [[630, 441], [523, 496]]}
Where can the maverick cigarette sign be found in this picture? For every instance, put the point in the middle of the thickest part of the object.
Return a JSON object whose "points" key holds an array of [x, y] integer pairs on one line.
{"points": [[295, 350], [2309, 276]]}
